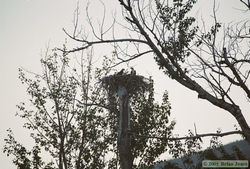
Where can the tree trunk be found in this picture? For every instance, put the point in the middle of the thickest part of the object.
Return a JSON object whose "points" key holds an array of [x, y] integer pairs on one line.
{"points": [[231, 108], [124, 144], [243, 124]]}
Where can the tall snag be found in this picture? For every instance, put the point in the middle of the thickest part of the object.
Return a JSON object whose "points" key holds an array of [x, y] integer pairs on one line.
{"points": [[123, 87]]}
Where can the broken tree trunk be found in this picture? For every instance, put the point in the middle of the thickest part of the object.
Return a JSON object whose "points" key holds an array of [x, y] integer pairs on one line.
{"points": [[124, 86], [124, 144]]}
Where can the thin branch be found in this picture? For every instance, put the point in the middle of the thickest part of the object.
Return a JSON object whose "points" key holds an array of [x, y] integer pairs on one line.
{"points": [[81, 104], [197, 136], [90, 43], [75, 20], [132, 58]]}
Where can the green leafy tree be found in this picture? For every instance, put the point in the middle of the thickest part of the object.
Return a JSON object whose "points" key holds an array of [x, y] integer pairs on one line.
{"points": [[73, 135], [70, 119], [149, 122]]}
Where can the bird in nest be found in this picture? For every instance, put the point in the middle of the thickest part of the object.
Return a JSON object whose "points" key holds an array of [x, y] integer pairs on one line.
{"points": [[121, 72], [133, 72]]}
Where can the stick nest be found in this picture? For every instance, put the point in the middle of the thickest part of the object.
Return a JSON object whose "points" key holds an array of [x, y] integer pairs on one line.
{"points": [[134, 84]]}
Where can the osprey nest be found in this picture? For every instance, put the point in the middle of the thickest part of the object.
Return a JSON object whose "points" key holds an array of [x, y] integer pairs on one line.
{"points": [[133, 83]]}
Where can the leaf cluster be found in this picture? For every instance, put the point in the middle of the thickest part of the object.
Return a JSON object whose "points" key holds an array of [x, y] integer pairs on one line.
{"points": [[150, 118], [177, 27], [71, 134]]}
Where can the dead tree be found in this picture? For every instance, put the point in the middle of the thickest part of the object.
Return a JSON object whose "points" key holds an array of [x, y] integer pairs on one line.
{"points": [[123, 87]]}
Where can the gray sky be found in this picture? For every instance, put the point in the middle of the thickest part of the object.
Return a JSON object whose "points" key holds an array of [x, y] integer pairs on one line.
{"points": [[26, 26]]}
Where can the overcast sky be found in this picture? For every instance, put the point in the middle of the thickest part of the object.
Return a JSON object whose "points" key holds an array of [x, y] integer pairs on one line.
{"points": [[26, 26]]}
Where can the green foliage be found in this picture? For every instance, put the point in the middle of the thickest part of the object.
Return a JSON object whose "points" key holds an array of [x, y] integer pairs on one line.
{"points": [[68, 119], [219, 153], [191, 155], [73, 135], [215, 152], [180, 35], [19, 151], [170, 165], [208, 37], [185, 149], [177, 26], [150, 119]]}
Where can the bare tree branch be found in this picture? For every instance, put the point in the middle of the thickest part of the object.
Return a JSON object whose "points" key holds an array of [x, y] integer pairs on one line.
{"points": [[197, 136]]}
